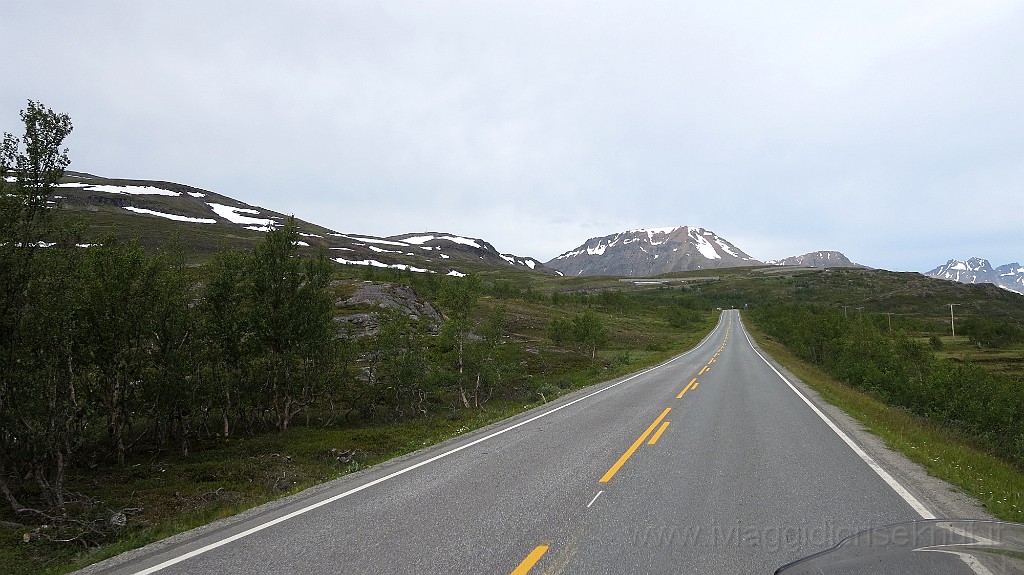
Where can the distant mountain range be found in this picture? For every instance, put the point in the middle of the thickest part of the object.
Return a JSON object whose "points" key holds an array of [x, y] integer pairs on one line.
{"points": [[977, 270], [154, 211], [650, 252]]}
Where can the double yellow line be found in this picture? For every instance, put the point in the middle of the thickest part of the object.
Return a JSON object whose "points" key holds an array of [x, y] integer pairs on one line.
{"points": [[659, 424], [636, 445]]}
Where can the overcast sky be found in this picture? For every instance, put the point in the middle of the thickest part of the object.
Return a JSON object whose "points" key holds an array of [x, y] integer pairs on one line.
{"points": [[890, 130]]}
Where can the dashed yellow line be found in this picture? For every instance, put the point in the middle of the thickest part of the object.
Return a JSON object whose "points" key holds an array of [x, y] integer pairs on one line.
{"points": [[531, 560], [657, 434]]}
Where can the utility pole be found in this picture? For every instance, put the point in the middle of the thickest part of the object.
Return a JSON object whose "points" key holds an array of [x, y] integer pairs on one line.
{"points": [[952, 325]]}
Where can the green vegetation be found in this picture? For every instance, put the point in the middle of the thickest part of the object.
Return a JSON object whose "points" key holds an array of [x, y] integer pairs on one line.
{"points": [[149, 387], [863, 353], [145, 390], [944, 453]]}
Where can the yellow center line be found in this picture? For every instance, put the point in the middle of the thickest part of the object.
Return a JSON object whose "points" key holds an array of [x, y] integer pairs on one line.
{"points": [[632, 448], [657, 434], [687, 388], [703, 369], [531, 560]]}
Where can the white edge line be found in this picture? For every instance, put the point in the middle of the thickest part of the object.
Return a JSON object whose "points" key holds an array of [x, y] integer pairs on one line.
{"points": [[594, 499], [907, 496], [306, 509]]}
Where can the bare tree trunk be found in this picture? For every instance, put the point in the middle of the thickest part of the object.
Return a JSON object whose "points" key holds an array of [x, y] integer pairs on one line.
{"points": [[5, 489], [226, 410]]}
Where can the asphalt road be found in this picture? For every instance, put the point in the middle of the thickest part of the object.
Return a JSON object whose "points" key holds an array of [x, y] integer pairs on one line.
{"points": [[710, 463]]}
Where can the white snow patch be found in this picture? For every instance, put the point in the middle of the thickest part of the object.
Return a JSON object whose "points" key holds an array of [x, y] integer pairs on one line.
{"points": [[174, 217], [378, 264], [376, 241], [461, 240], [234, 215], [457, 274], [130, 190], [419, 240], [515, 261], [384, 251], [197, 194], [305, 235], [445, 256], [727, 248], [657, 231], [302, 244], [704, 246]]}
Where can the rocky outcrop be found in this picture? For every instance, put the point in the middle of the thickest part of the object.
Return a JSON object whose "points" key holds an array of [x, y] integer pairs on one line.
{"points": [[397, 298]]}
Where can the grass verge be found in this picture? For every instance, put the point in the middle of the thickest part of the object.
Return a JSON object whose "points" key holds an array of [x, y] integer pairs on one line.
{"points": [[945, 454]]}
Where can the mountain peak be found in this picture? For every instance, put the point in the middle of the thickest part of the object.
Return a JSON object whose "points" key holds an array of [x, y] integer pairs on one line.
{"points": [[978, 270], [819, 259], [651, 251]]}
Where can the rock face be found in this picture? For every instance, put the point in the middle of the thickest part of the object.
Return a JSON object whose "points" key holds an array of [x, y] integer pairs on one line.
{"points": [[649, 252], [822, 259], [977, 270], [398, 298]]}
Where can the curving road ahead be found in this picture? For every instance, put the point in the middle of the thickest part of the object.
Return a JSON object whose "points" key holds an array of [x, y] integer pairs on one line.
{"points": [[710, 463]]}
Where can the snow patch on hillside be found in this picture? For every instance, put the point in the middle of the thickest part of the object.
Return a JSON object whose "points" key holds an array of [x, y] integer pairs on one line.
{"points": [[378, 264], [235, 215], [703, 245], [375, 241], [174, 217], [419, 240], [129, 190]]}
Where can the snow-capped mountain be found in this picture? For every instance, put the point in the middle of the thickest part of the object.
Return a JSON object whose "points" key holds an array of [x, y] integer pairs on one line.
{"points": [[448, 245], [977, 270], [154, 211], [649, 252], [822, 259]]}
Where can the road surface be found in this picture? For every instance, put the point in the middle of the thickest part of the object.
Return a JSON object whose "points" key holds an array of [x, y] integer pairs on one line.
{"points": [[709, 463]]}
